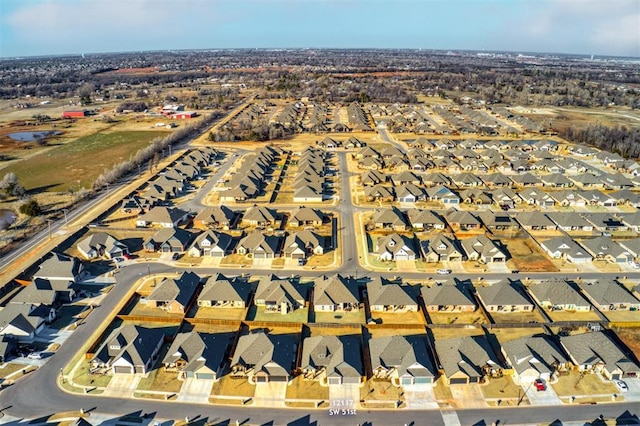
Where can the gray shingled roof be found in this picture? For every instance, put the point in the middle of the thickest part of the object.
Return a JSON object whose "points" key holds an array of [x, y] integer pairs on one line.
{"points": [[537, 352], [557, 292], [467, 354], [605, 292], [340, 356], [407, 354], [448, 293], [180, 289], [595, 347], [503, 293], [272, 354]]}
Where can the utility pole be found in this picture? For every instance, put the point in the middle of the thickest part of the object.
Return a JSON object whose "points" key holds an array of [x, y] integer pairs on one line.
{"points": [[49, 224], [66, 222]]}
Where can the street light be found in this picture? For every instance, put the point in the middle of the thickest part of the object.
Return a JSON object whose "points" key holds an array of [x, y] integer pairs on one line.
{"points": [[49, 224], [66, 223]]}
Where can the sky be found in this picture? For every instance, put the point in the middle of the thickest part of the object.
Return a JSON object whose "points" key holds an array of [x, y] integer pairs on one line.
{"points": [[52, 27]]}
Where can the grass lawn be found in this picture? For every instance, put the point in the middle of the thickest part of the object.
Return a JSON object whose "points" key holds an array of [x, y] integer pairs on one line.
{"points": [[572, 316], [232, 386], [220, 313], [84, 378], [589, 384], [236, 260], [508, 334], [399, 318], [517, 317], [142, 310], [457, 317], [79, 163], [502, 387], [300, 388], [355, 317], [442, 390], [622, 316], [326, 259], [526, 257], [258, 313], [160, 380], [9, 368]]}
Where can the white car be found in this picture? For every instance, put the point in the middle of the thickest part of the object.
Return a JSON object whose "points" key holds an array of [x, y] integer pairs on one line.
{"points": [[635, 265], [35, 355], [443, 271], [622, 386]]}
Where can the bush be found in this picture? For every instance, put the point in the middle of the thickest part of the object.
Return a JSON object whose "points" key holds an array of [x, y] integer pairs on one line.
{"points": [[30, 208]]}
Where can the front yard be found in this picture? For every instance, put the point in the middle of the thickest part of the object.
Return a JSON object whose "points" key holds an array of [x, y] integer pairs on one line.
{"points": [[575, 384], [160, 380], [232, 386]]}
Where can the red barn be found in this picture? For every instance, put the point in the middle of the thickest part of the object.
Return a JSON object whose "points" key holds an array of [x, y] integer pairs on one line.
{"points": [[185, 115], [74, 114]]}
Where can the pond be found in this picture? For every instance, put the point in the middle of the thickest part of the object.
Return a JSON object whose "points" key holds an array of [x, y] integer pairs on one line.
{"points": [[7, 217], [32, 136]]}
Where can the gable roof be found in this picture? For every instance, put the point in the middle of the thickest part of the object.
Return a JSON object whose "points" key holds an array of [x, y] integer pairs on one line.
{"points": [[334, 290], [537, 352], [596, 347], [504, 292], [134, 343], [340, 356], [557, 292], [407, 354], [198, 350], [219, 287], [607, 291], [448, 293], [466, 355], [180, 289], [266, 353], [380, 292], [276, 290]]}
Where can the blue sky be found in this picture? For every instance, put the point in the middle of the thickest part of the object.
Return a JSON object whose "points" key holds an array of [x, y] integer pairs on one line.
{"points": [[41, 27]]}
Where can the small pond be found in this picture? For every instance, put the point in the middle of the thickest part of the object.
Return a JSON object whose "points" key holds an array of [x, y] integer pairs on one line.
{"points": [[7, 217], [32, 136]]}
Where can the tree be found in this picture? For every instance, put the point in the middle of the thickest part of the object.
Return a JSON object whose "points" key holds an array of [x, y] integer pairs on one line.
{"points": [[30, 208], [10, 185]]}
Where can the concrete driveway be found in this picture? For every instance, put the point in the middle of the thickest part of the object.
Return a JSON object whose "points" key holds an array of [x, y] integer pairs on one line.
{"points": [[468, 396], [122, 385], [633, 394], [270, 394], [344, 396], [536, 397], [420, 396], [195, 390], [261, 263]]}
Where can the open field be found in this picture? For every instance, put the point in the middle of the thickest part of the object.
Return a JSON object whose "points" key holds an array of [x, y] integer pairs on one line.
{"points": [[398, 318], [521, 317], [220, 313], [357, 317], [77, 164]]}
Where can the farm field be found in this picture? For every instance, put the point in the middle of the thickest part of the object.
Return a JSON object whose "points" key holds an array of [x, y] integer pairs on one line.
{"points": [[84, 160]]}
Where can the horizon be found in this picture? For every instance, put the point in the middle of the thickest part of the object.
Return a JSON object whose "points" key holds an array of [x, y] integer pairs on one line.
{"points": [[563, 27]]}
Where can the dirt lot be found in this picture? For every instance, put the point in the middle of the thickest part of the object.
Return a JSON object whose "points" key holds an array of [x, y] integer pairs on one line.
{"points": [[631, 338], [527, 257]]}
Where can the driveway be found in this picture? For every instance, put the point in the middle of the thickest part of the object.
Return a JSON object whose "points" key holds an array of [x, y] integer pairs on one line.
{"points": [[633, 394], [498, 267], [420, 396], [195, 390], [344, 396], [545, 397], [262, 263], [122, 385], [271, 394], [468, 396]]}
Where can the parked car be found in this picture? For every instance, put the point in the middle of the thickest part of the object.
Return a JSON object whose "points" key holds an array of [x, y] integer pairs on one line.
{"points": [[35, 355], [635, 265], [443, 271], [621, 385], [540, 385], [300, 262], [119, 259]]}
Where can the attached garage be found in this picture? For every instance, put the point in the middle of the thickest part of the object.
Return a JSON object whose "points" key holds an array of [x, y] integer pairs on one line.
{"points": [[335, 380], [122, 369], [423, 380], [262, 379], [278, 379], [140, 369], [205, 376], [404, 381], [259, 255], [458, 381]]}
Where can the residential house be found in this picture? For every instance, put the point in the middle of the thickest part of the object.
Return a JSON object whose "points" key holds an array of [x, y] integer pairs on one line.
{"points": [[535, 221], [101, 245], [568, 221], [482, 249], [564, 247], [379, 193], [632, 245], [468, 359], [443, 195], [476, 196], [609, 295], [441, 248], [536, 197], [372, 177], [164, 217], [558, 295], [259, 246], [301, 245], [263, 358], [604, 248], [505, 198], [24, 321], [498, 222], [197, 356], [395, 247], [222, 292], [168, 240], [174, 295], [404, 360], [335, 294], [534, 357], [279, 295], [410, 193], [212, 244], [129, 349], [595, 352], [450, 296], [425, 220], [260, 216], [389, 297], [504, 297], [391, 218], [605, 222], [332, 360], [462, 220], [217, 217], [305, 216], [60, 267]]}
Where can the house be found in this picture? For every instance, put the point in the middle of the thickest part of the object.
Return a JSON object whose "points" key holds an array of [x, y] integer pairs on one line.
{"points": [[556, 180], [568, 221], [174, 295], [335, 294], [60, 267], [604, 248], [379, 193], [526, 180], [137, 205], [558, 295], [307, 194], [168, 240], [263, 358], [197, 355], [165, 217], [425, 220], [395, 247], [390, 218], [332, 360], [443, 195], [24, 321], [301, 245], [372, 177], [222, 292], [476, 196], [483, 250], [409, 193], [468, 359], [535, 221], [605, 222], [609, 295], [536, 197], [44, 291], [504, 297], [217, 217], [305, 216], [498, 222], [259, 246], [279, 295], [593, 197], [462, 220], [441, 248], [129, 349], [595, 352], [101, 245], [632, 245], [534, 357], [632, 221], [260, 216], [450, 296], [210, 243], [404, 360], [7, 347], [497, 180], [505, 198], [389, 297], [565, 247]]}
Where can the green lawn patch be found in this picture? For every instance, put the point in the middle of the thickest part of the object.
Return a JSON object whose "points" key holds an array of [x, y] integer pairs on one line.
{"points": [[78, 163]]}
